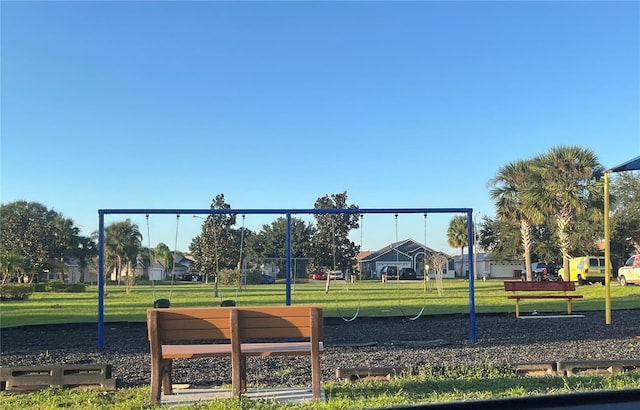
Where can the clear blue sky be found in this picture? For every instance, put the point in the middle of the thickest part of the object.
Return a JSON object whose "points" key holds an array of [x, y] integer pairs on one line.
{"points": [[402, 104]]}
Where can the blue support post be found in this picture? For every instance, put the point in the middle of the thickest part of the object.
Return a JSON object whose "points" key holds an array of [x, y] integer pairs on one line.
{"points": [[101, 280], [472, 274], [288, 262]]}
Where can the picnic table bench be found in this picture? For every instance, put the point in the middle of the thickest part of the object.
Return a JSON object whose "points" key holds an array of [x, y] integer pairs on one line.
{"points": [[235, 332], [541, 286]]}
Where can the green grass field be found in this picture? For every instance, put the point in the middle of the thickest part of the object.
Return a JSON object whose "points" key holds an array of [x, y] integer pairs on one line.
{"points": [[368, 298]]}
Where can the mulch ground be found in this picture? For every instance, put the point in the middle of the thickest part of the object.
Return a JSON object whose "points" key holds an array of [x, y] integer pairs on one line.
{"points": [[366, 342]]}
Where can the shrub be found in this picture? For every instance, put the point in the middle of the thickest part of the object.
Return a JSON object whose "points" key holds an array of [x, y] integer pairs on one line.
{"points": [[57, 286], [16, 291], [254, 277], [229, 277], [76, 287], [40, 287]]}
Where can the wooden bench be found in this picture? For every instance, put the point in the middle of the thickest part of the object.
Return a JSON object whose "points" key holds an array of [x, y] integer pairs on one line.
{"points": [[235, 332], [541, 286]]}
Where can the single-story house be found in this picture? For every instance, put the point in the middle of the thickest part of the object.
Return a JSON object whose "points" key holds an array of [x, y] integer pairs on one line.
{"points": [[486, 265], [407, 253]]}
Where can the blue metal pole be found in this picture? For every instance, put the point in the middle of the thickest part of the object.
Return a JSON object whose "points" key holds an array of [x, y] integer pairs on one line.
{"points": [[472, 305], [288, 262], [100, 280]]}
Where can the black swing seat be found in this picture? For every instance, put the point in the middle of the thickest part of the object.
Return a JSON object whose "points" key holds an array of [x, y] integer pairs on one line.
{"points": [[227, 303], [161, 303]]}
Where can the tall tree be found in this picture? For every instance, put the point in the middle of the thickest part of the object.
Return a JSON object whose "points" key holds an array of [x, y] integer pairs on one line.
{"points": [[216, 248], [502, 239], [270, 241], [457, 236], [12, 266], [625, 214], [163, 254], [571, 185], [331, 246], [514, 193], [43, 236], [123, 242], [86, 250]]}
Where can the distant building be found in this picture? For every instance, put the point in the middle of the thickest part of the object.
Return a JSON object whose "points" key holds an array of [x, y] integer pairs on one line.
{"points": [[404, 254]]}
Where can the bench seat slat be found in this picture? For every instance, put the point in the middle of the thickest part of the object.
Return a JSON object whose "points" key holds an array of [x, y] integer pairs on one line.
{"points": [[538, 286], [195, 351], [278, 349], [544, 297]]}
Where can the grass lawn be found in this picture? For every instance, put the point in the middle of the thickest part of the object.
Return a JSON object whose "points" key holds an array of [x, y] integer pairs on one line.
{"points": [[370, 298]]}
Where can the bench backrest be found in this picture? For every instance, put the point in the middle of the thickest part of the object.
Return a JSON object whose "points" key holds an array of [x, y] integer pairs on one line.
{"points": [[545, 285], [218, 323], [279, 322], [189, 324]]}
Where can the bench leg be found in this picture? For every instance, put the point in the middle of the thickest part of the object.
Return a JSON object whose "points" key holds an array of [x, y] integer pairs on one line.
{"points": [[315, 375], [238, 374], [160, 371], [167, 376], [517, 307], [243, 374], [568, 306]]}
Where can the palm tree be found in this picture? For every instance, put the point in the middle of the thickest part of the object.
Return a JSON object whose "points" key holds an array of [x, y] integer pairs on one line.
{"points": [[123, 241], [514, 196], [571, 185], [12, 265], [457, 236]]}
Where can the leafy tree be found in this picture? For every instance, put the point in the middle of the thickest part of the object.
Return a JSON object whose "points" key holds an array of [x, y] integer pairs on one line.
{"points": [[502, 239], [331, 245], [571, 186], [86, 250], [457, 236], [216, 247], [163, 254], [625, 214], [270, 241], [42, 236], [123, 242], [516, 202]]}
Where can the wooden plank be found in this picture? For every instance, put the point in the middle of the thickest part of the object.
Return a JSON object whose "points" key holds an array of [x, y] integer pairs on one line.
{"points": [[544, 297], [516, 286], [278, 349], [196, 334], [195, 351]]}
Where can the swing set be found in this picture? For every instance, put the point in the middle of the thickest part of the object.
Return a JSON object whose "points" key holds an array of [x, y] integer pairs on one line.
{"points": [[165, 302]]}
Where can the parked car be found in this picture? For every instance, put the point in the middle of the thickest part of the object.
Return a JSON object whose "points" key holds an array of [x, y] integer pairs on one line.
{"points": [[336, 274], [585, 269], [318, 275], [630, 272], [392, 272], [408, 273], [267, 279], [541, 271]]}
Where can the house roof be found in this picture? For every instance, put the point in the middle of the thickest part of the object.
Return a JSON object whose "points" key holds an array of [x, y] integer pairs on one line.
{"points": [[407, 247], [363, 255]]}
